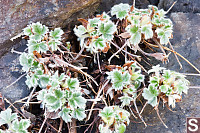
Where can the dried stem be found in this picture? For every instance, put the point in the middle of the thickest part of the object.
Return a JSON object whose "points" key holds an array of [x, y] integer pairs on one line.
{"points": [[176, 56], [132, 112], [134, 102], [98, 62], [14, 107], [157, 111], [123, 50], [29, 97], [170, 7], [73, 124], [15, 81], [97, 97], [61, 124], [81, 51], [143, 108], [117, 52], [43, 123]]}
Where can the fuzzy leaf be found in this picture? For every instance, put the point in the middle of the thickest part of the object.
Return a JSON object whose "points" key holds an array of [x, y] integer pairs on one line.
{"points": [[121, 10], [79, 114], [7, 116], [27, 31], [26, 61], [150, 95], [59, 93], [71, 83], [80, 31], [121, 128], [41, 94], [107, 30], [164, 88], [65, 114], [44, 81], [56, 33], [126, 100], [50, 99], [77, 100], [147, 31], [94, 22]]}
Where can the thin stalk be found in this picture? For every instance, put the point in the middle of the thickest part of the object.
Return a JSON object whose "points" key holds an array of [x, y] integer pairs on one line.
{"points": [[139, 113], [176, 56], [171, 7], [15, 81], [117, 52], [97, 97]]}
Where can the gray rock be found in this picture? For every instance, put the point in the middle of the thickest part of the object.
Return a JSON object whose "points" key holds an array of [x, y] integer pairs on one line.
{"points": [[106, 5], [10, 71], [16, 14], [186, 42], [181, 5]]}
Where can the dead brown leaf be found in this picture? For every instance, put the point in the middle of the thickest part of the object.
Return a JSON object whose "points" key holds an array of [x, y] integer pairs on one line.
{"points": [[125, 35]]}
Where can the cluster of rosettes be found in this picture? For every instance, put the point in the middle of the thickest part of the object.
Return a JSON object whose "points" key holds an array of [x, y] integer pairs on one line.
{"points": [[14, 125], [95, 34], [114, 120], [143, 23], [41, 39], [165, 84], [59, 92], [64, 95], [126, 79]]}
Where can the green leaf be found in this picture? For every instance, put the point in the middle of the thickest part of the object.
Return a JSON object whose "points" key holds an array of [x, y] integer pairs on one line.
{"points": [[56, 33], [167, 74], [71, 83], [154, 81], [150, 95], [147, 31], [55, 107], [41, 94], [44, 81], [80, 31], [79, 114], [50, 99], [27, 31], [126, 100], [135, 38], [7, 116], [121, 10], [65, 114], [31, 81], [77, 100], [21, 126], [99, 44], [59, 93], [107, 29], [153, 102], [39, 29], [94, 22], [36, 46], [121, 128], [107, 112], [163, 35], [26, 61], [164, 88], [135, 34]]}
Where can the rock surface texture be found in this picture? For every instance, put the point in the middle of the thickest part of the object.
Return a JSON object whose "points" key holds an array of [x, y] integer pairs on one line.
{"points": [[16, 14], [186, 42], [181, 5]]}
